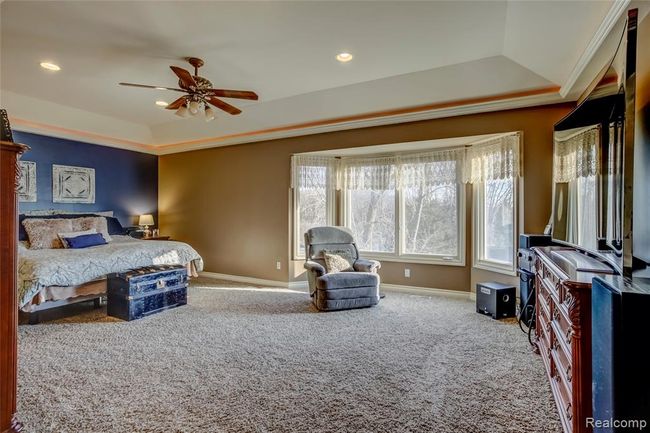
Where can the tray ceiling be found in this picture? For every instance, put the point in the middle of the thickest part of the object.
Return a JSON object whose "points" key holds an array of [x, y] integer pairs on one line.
{"points": [[406, 54]]}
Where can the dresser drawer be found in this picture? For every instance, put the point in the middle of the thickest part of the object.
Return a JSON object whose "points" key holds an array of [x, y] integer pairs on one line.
{"points": [[548, 278], [562, 330], [563, 401], [563, 370]]}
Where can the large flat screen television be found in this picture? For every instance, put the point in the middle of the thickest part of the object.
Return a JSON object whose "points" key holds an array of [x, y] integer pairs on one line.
{"points": [[589, 160]]}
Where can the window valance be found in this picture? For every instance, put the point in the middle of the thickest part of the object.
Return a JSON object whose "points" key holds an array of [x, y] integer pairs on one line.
{"points": [[498, 158], [576, 155], [305, 173], [369, 173], [431, 168]]}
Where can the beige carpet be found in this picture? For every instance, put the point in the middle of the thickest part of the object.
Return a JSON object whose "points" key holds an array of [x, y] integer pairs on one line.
{"points": [[245, 359]]}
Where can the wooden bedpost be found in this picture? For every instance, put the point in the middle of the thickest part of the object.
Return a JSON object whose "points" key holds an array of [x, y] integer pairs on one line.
{"points": [[9, 174]]}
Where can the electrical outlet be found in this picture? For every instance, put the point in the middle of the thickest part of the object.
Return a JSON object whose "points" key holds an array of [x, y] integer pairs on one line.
{"points": [[407, 273], [278, 265]]}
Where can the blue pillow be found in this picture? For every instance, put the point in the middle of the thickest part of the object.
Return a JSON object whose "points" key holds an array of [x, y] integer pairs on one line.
{"points": [[114, 226], [85, 241]]}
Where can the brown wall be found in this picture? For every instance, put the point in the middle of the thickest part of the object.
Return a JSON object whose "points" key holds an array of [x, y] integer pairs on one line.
{"points": [[233, 203]]}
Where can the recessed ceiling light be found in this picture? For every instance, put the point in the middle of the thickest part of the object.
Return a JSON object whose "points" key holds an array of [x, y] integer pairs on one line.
{"points": [[344, 57], [162, 103], [160, 88], [50, 66]]}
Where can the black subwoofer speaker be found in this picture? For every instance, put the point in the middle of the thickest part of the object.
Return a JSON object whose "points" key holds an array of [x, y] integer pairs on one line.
{"points": [[496, 300]]}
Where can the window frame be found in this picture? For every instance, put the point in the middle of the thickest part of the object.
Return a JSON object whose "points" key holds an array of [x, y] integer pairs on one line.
{"points": [[330, 205], [400, 233], [478, 230]]}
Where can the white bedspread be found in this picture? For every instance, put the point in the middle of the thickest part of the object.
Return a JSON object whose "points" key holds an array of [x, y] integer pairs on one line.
{"points": [[38, 269]]}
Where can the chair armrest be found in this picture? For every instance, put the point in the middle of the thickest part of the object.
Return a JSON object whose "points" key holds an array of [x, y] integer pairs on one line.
{"points": [[365, 265], [315, 267]]}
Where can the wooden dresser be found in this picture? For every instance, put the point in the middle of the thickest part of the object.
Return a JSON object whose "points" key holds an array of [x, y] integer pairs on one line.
{"points": [[9, 154], [563, 334]]}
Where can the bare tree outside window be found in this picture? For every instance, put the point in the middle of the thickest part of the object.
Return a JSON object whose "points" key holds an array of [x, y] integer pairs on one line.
{"points": [[431, 219], [498, 214], [372, 219]]}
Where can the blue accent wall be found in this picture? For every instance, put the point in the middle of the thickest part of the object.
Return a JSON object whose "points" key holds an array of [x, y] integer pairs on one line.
{"points": [[126, 182]]}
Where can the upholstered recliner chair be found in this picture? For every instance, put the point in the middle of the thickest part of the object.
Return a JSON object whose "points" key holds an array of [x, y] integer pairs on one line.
{"points": [[355, 287]]}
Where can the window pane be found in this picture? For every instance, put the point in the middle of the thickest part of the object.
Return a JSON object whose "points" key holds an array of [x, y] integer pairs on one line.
{"points": [[498, 221], [372, 219], [312, 203], [586, 195], [431, 220]]}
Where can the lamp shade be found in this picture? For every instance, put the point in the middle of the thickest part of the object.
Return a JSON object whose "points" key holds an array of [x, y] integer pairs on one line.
{"points": [[146, 220]]}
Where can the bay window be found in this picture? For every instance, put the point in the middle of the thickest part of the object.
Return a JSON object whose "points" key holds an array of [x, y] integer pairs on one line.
{"points": [[410, 207]]}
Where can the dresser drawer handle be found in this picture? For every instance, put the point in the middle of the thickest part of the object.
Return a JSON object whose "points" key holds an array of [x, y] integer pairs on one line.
{"points": [[569, 335], [568, 373], [569, 412]]}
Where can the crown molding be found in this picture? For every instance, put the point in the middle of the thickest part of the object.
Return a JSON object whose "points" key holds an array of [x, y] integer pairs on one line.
{"points": [[509, 101], [536, 97], [25, 125], [606, 26]]}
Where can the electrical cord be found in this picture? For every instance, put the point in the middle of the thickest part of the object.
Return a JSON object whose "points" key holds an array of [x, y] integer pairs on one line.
{"points": [[524, 310], [523, 314]]}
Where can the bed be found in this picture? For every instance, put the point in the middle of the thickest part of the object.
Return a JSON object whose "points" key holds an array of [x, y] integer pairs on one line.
{"points": [[50, 278]]}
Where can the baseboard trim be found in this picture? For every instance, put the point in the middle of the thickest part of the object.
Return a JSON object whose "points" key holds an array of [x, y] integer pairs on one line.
{"points": [[242, 279], [425, 291], [304, 286], [299, 285]]}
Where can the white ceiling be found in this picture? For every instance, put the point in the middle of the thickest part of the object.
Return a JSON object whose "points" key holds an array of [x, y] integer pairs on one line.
{"points": [[405, 54]]}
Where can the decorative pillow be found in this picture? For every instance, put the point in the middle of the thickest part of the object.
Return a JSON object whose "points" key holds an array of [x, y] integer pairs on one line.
{"points": [[63, 236], [340, 262], [44, 233], [85, 241], [114, 226], [22, 234], [87, 223]]}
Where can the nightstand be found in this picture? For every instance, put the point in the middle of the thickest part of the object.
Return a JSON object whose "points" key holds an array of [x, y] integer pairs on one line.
{"points": [[156, 238]]}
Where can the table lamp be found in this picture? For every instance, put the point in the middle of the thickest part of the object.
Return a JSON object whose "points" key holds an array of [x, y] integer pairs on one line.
{"points": [[146, 221]]}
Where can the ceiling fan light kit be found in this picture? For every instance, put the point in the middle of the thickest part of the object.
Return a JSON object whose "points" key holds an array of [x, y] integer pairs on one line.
{"points": [[199, 94]]}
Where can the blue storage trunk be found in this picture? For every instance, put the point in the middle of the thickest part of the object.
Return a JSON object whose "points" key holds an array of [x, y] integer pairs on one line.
{"points": [[145, 291]]}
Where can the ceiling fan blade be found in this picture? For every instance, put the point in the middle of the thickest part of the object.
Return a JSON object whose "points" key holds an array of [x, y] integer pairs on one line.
{"points": [[151, 87], [186, 78], [176, 104], [238, 94], [224, 106]]}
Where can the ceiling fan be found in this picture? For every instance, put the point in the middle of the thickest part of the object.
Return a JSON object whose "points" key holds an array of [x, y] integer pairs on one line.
{"points": [[199, 93]]}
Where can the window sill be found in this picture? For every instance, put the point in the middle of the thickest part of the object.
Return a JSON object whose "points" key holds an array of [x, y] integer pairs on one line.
{"points": [[493, 267], [411, 259]]}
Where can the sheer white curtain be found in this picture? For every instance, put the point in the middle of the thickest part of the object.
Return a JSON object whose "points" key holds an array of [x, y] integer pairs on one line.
{"points": [[443, 167], [496, 159], [369, 173], [305, 172], [576, 155]]}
